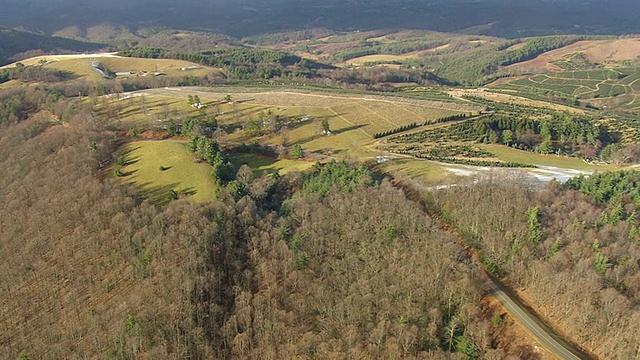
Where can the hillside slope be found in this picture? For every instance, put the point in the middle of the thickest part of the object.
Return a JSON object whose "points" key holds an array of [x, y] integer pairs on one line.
{"points": [[91, 270], [13, 42]]}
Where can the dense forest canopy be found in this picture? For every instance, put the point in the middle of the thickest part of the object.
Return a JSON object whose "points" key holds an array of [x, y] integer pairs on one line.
{"points": [[575, 257], [219, 279]]}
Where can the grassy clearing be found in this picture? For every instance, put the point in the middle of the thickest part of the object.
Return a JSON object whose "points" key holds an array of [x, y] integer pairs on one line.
{"points": [[359, 61], [352, 119], [80, 66], [526, 157], [263, 164], [428, 172], [182, 173]]}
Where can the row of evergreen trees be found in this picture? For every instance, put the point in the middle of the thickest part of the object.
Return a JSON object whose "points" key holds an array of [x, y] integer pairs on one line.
{"points": [[395, 131], [448, 118], [415, 125]]}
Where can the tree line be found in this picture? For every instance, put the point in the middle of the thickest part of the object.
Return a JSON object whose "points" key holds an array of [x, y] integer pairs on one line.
{"points": [[241, 63]]}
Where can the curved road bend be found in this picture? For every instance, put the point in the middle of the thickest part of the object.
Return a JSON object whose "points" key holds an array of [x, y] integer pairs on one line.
{"points": [[540, 331], [526, 318]]}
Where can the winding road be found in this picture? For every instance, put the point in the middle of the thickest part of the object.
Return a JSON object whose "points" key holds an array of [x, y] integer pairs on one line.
{"points": [[547, 337], [525, 317]]}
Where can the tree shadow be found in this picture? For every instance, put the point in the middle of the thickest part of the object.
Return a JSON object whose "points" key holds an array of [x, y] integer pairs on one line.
{"points": [[335, 132], [131, 161], [188, 191], [349, 128], [159, 195], [296, 124], [129, 173]]}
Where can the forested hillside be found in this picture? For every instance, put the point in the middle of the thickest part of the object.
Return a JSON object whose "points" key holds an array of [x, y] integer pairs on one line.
{"points": [[576, 259], [91, 269]]}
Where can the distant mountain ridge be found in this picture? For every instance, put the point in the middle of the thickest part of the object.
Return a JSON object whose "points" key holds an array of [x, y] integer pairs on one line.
{"points": [[504, 18]]}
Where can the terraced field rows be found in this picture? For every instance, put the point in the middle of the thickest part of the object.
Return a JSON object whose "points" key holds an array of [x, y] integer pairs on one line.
{"points": [[606, 87]]}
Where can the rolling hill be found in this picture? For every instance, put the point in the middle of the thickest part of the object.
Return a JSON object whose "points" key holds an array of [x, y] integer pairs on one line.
{"points": [[13, 42]]}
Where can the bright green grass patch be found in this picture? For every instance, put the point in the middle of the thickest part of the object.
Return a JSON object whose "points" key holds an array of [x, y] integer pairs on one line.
{"points": [[181, 173], [264, 164]]}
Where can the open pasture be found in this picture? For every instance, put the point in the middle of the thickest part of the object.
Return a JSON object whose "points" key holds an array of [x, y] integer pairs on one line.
{"points": [[352, 119], [79, 66], [156, 167], [381, 58]]}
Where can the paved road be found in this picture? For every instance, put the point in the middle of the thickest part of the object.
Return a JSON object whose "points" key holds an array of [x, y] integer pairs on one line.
{"points": [[526, 318], [541, 332]]}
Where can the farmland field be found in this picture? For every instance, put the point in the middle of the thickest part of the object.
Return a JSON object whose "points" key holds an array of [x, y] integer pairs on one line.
{"points": [[594, 51], [600, 87], [352, 119]]}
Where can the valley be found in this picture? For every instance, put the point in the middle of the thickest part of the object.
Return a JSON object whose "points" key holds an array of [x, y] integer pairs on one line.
{"points": [[361, 193]]}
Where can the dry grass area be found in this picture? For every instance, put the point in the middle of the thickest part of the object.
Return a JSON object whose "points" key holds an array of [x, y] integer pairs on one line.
{"points": [[359, 61], [597, 51], [353, 119], [507, 98], [80, 65]]}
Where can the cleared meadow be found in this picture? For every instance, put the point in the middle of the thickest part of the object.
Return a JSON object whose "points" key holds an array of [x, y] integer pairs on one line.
{"points": [[80, 66], [352, 119], [182, 174]]}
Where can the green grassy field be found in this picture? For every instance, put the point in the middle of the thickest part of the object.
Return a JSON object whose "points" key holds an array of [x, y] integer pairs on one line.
{"points": [[188, 178], [352, 119], [182, 174], [266, 165]]}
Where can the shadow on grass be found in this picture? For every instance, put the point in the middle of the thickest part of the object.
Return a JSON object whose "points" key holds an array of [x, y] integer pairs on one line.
{"points": [[312, 119], [131, 161], [335, 132], [159, 195], [188, 191], [129, 173], [349, 128], [254, 161]]}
